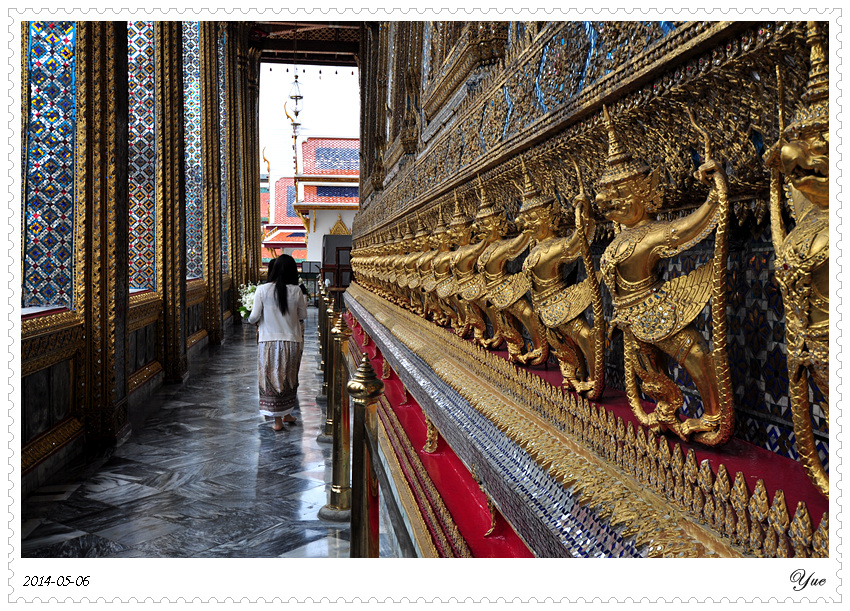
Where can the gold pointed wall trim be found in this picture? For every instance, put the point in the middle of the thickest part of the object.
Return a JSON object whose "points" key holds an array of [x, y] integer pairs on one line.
{"points": [[340, 228], [667, 499]]}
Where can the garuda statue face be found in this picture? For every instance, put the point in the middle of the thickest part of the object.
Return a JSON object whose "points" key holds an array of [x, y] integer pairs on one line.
{"points": [[805, 161], [630, 201]]}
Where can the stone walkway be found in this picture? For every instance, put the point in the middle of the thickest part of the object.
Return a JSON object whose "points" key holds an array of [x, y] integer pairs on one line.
{"points": [[205, 477]]}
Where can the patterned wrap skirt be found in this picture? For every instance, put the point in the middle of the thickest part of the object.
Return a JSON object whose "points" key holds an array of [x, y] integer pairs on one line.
{"points": [[277, 367]]}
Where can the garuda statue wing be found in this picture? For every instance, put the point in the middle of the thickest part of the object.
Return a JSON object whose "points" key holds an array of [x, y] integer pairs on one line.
{"points": [[671, 308]]}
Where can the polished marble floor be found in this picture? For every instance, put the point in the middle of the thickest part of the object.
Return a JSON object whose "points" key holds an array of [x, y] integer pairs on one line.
{"points": [[205, 476]]}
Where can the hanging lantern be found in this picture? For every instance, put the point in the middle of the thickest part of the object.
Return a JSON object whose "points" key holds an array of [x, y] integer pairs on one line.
{"points": [[295, 96]]}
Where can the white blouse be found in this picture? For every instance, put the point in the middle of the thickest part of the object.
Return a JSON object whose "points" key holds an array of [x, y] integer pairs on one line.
{"points": [[273, 325]]}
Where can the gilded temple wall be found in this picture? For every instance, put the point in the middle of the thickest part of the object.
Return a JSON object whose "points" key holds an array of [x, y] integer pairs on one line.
{"points": [[448, 103], [88, 369]]}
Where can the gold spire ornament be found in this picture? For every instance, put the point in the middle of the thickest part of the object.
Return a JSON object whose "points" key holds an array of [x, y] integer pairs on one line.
{"points": [[459, 218], [339, 228], [799, 165], [627, 175]]}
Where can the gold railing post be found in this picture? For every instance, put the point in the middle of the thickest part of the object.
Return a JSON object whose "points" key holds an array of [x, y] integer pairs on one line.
{"points": [[321, 308], [365, 389], [320, 320], [323, 329], [328, 369], [325, 324], [339, 506], [323, 343]]}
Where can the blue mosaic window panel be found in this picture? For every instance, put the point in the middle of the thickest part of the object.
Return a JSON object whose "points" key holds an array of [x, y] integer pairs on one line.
{"points": [[222, 106], [338, 159], [337, 191], [48, 215], [142, 160], [192, 136], [290, 201]]}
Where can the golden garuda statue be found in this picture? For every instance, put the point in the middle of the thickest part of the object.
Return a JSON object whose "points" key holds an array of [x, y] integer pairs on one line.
{"points": [[389, 276], [405, 246], [411, 269], [436, 273], [800, 168], [370, 265], [656, 317], [458, 234], [579, 349], [504, 294], [426, 280], [382, 267], [469, 285]]}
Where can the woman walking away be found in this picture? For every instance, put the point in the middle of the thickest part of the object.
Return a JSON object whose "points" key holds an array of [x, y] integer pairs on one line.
{"points": [[279, 309]]}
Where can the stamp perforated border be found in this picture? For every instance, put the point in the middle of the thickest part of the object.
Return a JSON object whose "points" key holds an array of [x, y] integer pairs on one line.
{"points": [[476, 581]]}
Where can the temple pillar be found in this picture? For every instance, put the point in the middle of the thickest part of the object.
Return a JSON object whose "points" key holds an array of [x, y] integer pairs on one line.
{"points": [[170, 194], [250, 85], [210, 153], [102, 200], [242, 66], [231, 156]]}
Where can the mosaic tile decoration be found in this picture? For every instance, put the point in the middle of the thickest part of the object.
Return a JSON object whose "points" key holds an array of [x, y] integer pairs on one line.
{"points": [[337, 192], [193, 166], [284, 199], [290, 201], [222, 107], [239, 230], [284, 229], [48, 240], [264, 205], [312, 193], [142, 155], [284, 237], [331, 156]]}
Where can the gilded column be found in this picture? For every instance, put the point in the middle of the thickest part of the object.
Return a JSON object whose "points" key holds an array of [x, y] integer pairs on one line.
{"points": [[365, 389], [380, 125], [102, 202], [338, 508], [365, 89], [251, 157], [232, 158], [171, 194], [242, 201], [210, 152]]}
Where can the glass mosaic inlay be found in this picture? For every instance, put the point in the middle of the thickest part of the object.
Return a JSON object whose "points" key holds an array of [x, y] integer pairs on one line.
{"points": [[49, 201], [222, 41], [142, 155], [337, 191], [192, 136], [337, 158]]}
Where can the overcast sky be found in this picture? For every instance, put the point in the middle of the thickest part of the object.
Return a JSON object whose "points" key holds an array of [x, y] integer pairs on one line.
{"points": [[331, 108]]}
